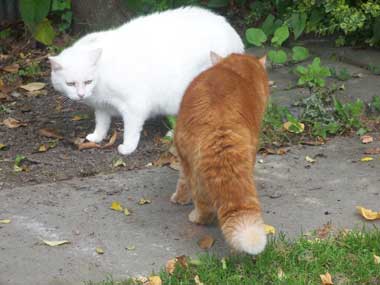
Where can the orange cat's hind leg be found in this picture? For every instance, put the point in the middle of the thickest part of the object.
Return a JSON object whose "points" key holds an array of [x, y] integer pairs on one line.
{"points": [[203, 213], [182, 195]]}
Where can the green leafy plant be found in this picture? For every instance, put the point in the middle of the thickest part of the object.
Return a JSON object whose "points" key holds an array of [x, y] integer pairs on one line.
{"points": [[281, 34], [299, 53], [313, 75], [349, 114], [375, 103], [255, 36], [277, 56]]}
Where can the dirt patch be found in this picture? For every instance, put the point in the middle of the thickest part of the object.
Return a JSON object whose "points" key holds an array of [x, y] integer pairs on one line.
{"points": [[64, 161]]}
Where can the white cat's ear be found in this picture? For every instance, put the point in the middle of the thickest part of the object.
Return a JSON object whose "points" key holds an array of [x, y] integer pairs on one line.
{"points": [[55, 65], [95, 55], [215, 58], [263, 60]]}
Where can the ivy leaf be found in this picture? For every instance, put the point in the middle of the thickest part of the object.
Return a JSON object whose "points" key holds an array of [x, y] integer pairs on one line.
{"points": [[33, 11], [298, 23], [255, 36], [299, 53], [45, 32], [277, 57], [280, 35]]}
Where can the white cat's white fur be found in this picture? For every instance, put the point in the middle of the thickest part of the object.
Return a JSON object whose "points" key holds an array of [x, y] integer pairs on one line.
{"points": [[142, 68]]}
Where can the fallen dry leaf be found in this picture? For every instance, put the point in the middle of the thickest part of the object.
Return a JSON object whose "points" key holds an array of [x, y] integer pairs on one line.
{"points": [[375, 150], [6, 221], [206, 242], [293, 127], [197, 280], [155, 280], [99, 250], [376, 259], [182, 260], [126, 212], [309, 159], [119, 163], [43, 148], [55, 243], [170, 265], [326, 279], [79, 117], [12, 68], [366, 139], [3, 146], [49, 133], [324, 231], [366, 159], [144, 201], [269, 230], [111, 141], [13, 123], [34, 86], [368, 214], [141, 279], [116, 206], [87, 145], [130, 247]]}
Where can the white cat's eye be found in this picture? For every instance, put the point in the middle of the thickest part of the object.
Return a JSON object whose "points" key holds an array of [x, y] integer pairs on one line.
{"points": [[88, 82], [70, 83]]}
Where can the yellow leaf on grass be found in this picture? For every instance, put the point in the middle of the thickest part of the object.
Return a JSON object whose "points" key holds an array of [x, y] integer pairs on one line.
{"points": [[269, 230], [155, 280], [368, 214], [55, 243], [34, 86], [366, 159], [376, 259], [99, 250], [326, 279], [197, 280], [6, 221], [116, 206]]}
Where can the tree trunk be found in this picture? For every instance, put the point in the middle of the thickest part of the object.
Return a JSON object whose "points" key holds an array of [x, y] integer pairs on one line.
{"points": [[95, 15]]}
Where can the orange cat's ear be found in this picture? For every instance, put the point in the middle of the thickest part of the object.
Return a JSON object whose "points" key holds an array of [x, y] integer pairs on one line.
{"points": [[215, 58], [263, 60]]}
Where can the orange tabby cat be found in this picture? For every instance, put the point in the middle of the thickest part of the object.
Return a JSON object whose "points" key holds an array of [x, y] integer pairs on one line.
{"points": [[216, 137]]}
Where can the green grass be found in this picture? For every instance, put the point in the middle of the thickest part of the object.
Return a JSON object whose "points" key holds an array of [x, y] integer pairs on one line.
{"points": [[348, 257]]}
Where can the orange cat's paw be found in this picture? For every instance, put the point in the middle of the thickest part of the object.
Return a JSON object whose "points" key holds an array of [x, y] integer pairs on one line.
{"points": [[180, 199]]}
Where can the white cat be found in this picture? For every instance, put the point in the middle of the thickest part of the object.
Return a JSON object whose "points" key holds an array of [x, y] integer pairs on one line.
{"points": [[142, 68]]}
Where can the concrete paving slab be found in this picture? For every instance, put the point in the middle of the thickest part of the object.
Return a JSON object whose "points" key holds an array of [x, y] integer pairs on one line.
{"points": [[296, 197]]}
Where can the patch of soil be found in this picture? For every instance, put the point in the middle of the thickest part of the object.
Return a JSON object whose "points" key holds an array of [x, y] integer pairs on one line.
{"points": [[64, 161]]}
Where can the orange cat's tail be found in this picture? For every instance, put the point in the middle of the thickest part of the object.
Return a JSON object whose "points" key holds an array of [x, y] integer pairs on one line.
{"points": [[244, 231]]}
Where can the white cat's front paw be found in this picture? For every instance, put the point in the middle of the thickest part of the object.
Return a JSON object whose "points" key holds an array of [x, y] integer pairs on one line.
{"points": [[126, 149], [94, 138]]}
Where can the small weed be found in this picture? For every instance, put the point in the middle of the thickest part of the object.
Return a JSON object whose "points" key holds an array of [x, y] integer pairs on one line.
{"points": [[375, 69], [342, 74], [31, 70], [313, 75]]}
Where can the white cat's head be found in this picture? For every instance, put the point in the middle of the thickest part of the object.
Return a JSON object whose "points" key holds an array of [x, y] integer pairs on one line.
{"points": [[73, 72]]}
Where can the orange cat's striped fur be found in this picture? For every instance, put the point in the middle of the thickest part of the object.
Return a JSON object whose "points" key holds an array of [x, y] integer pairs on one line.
{"points": [[216, 138]]}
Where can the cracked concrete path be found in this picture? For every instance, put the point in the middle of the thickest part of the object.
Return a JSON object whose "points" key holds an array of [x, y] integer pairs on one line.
{"points": [[296, 197]]}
